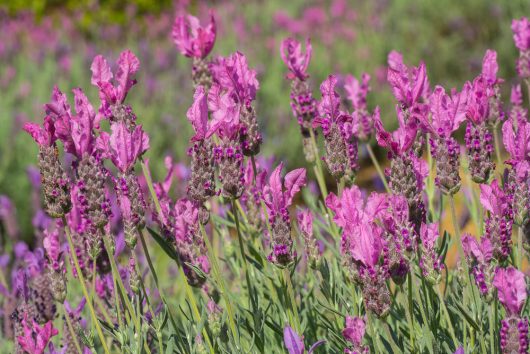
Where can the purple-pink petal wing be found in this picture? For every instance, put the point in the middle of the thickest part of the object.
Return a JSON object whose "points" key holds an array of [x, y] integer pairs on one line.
{"points": [[293, 342], [294, 181], [511, 288], [128, 65], [100, 71]]}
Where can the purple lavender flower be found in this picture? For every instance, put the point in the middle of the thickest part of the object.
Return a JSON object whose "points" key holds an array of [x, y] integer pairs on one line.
{"points": [[479, 256], [521, 37], [55, 183], [339, 130], [478, 138], [407, 171], [278, 196], [498, 222], [357, 92], [362, 245], [353, 332], [518, 113], [303, 104], [295, 344], [430, 262], [192, 40], [511, 288], [112, 96], [202, 182], [489, 73], [448, 112], [36, 338]]}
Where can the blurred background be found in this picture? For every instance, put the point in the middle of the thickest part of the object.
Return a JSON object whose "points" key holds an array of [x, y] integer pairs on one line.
{"points": [[49, 42]]}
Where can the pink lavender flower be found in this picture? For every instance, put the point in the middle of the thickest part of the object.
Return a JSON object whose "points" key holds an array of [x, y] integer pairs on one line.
{"points": [[521, 37], [357, 92], [448, 112], [479, 255], [478, 139], [362, 244], [123, 146], [114, 94], [52, 246], [339, 131], [518, 113], [489, 73], [36, 338], [192, 40], [353, 332], [409, 85], [303, 104], [511, 288], [202, 182], [278, 196], [521, 33], [430, 262], [295, 344], [295, 59], [499, 221]]}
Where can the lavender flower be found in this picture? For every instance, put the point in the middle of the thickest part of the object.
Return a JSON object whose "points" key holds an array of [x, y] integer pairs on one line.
{"points": [[489, 73], [479, 256], [499, 220], [36, 338], [478, 138], [339, 131], [430, 262], [518, 113], [511, 287], [357, 92], [113, 96], [303, 104], [448, 112], [278, 196], [407, 172], [295, 343], [55, 183], [362, 245], [194, 41], [202, 182], [521, 37], [353, 332]]}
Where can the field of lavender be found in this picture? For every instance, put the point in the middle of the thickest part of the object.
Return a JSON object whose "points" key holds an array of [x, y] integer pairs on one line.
{"points": [[257, 177]]}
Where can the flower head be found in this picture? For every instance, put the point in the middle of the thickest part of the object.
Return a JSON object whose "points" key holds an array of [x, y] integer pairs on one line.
{"points": [[278, 194], [490, 68], [123, 146], [493, 198], [354, 330], [198, 114], [43, 135], [448, 111], [329, 108], [52, 246], [521, 33], [478, 101], [112, 94], [517, 142], [36, 338], [511, 288], [408, 84], [191, 39], [401, 140], [296, 61]]}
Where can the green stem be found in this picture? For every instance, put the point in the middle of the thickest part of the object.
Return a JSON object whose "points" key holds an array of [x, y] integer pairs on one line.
{"points": [[220, 281], [395, 348], [83, 286], [520, 252], [377, 167], [318, 163], [492, 327], [497, 147], [292, 301], [410, 317], [373, 332], [447, 317]]}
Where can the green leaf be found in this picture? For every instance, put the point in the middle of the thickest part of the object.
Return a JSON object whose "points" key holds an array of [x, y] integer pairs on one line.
{"points": [[164, 244]]}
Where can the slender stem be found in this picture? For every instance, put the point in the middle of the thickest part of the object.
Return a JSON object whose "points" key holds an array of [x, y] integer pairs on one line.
{"points": [[410, 317], [373, 332], [149, 182], [220, 281], [520, 252], [318, 163], [71, 330], [292, 301], [93, 290], [83, 286], [447, 317], [491, 327], [377, 167], [395, 348]]}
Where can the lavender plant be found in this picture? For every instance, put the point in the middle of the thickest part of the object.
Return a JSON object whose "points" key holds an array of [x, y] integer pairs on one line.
{"points": [[154, 266]]}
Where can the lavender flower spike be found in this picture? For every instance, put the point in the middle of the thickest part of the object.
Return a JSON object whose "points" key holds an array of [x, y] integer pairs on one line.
{"points": [[339, 131], [305, 224], [278, 196], [521, 37], [353, 332], [511, 287], [303, 104]]}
